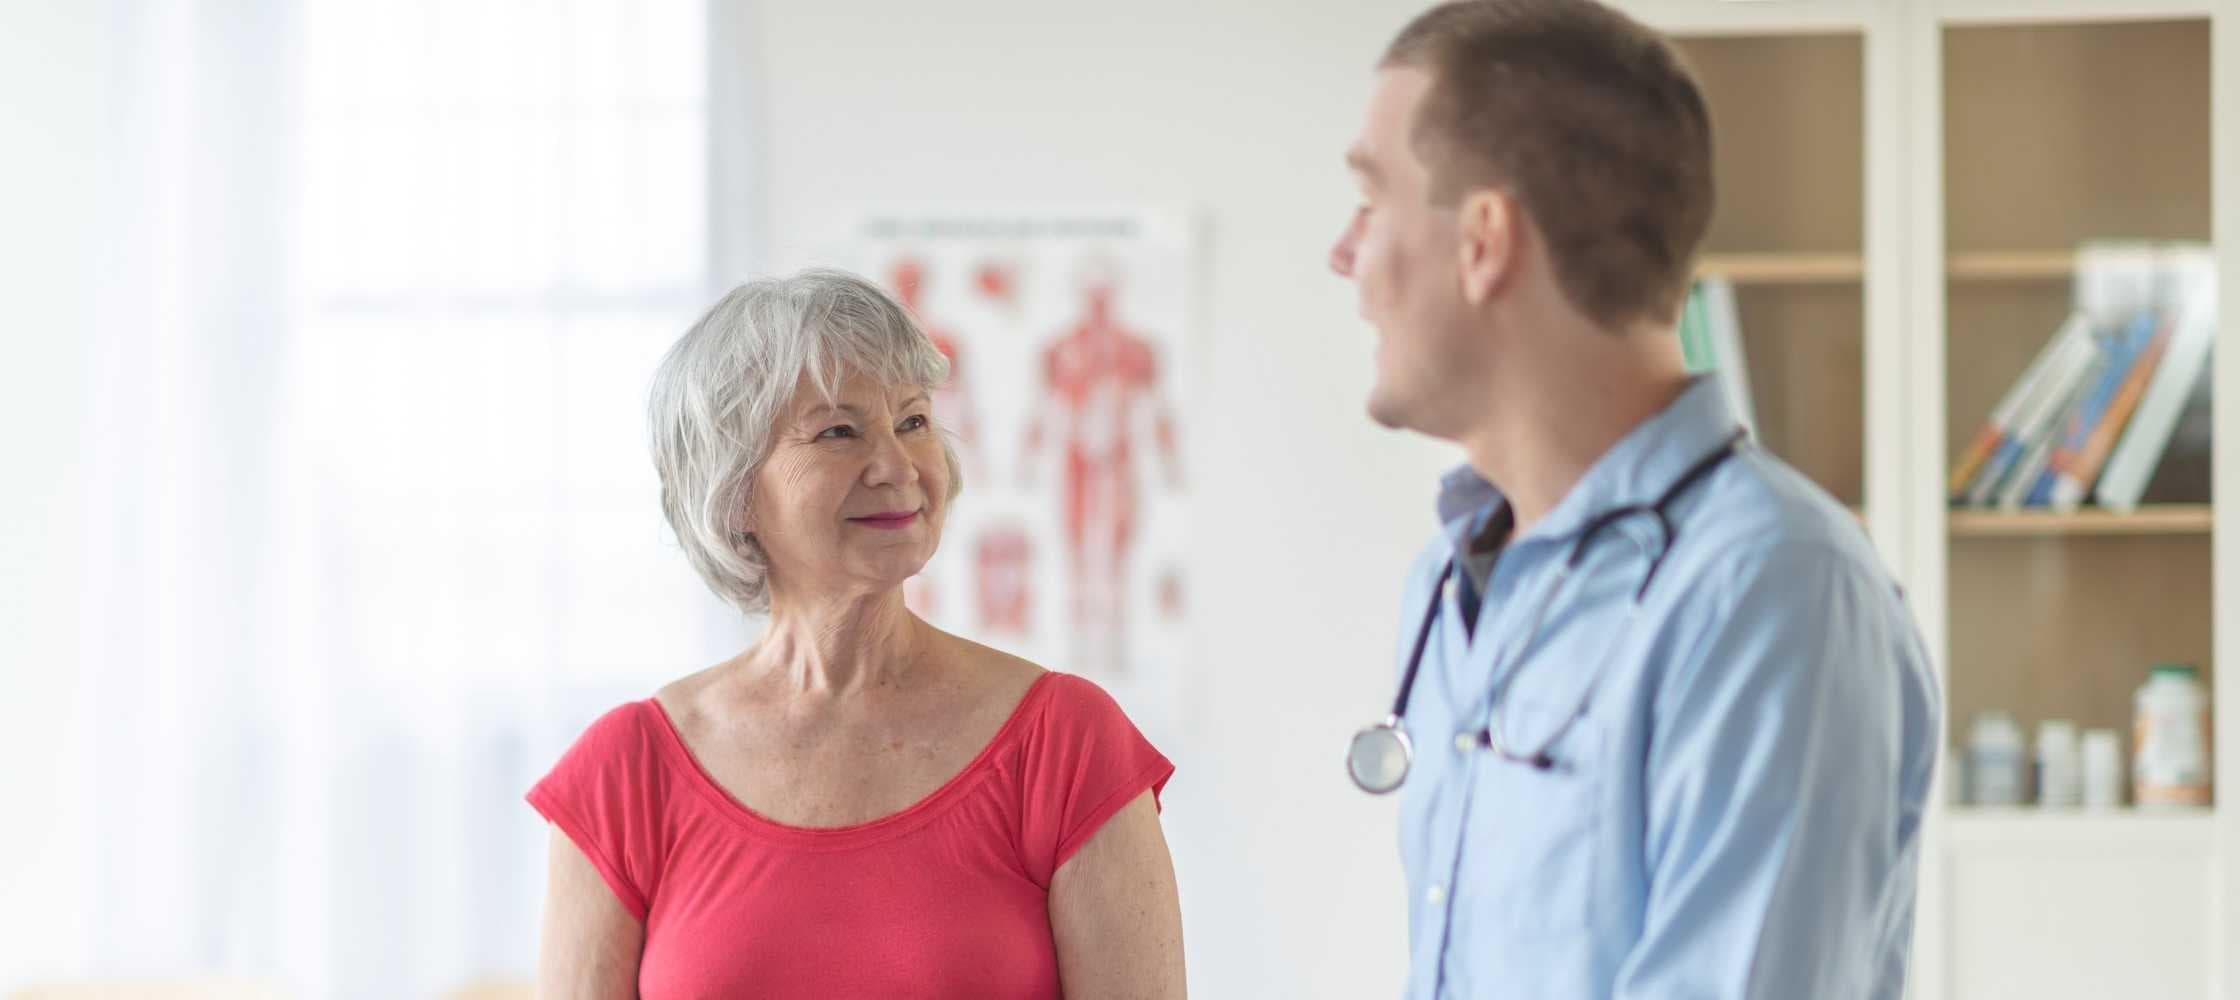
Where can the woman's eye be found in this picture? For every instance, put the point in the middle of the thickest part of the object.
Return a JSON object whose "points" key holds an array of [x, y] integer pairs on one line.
{"points": [[837, 431], [916, 422]]}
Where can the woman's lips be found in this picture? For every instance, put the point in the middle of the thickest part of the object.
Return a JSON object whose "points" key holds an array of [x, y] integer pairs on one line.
{"points": [[889, 521]]}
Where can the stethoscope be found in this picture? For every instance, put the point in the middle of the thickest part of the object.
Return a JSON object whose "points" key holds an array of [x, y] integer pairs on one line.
{"points": [[1380, 755]]}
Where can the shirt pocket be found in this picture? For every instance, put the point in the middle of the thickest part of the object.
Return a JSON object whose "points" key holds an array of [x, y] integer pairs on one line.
{"points": [[1536, 839]]}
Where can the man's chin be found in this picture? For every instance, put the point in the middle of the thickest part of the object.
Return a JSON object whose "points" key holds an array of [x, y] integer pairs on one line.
{"points": [[1386, 412]]}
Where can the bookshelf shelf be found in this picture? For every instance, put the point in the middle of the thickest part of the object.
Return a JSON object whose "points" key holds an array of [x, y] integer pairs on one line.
{"points": [[2012, 265], [2171, 519], [1784, 268], [1840, 268]]}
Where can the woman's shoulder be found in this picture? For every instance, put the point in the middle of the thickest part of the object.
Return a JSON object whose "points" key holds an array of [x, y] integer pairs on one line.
{"points": [[1053, 701], [1036, 690]]}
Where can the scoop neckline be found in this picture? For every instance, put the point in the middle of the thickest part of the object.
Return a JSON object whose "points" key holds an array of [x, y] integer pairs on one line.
{"points": [[854, 834]]}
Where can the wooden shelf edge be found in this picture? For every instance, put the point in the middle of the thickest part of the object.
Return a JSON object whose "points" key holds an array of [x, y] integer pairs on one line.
{"points": [[1783, 268], [2167, 519], [1803, 268], [2012, 265]]}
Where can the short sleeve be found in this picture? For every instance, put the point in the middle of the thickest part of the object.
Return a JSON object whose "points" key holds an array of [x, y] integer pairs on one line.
{"points": [[606, 794], [1082, 763]]}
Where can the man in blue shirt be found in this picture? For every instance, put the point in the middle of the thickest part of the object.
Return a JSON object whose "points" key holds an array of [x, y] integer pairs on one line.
{"points": [[1670, 725]]}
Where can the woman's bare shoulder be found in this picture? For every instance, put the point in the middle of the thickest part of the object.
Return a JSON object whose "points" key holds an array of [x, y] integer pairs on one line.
{"points": [[1001, 676]]}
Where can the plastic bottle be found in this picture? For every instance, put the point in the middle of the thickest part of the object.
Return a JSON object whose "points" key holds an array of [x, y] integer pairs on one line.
{"points": [[1995, 760], [2103, 769], [2060, 783], [2169, 739]]}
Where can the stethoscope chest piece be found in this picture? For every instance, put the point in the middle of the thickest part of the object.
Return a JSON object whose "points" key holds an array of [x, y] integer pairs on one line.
{"points": [[1378, 758]]}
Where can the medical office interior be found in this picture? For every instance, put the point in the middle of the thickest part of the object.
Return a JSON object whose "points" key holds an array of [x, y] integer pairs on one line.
{"points": [[328, 519]]}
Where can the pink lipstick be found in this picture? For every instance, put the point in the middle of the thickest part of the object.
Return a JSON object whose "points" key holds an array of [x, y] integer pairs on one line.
{"points": [[890, 521]]}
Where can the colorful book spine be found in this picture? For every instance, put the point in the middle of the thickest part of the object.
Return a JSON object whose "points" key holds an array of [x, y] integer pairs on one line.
{"points": [[2075, 334], [2054, 390], [2076, 427], [2074, 483]]}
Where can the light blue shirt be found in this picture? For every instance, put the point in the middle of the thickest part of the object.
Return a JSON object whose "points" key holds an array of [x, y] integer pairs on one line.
{"points": [[1738, 811]]}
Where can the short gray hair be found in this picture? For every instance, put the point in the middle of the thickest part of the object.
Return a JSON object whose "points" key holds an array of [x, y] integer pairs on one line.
{"points": [[718, 393]]}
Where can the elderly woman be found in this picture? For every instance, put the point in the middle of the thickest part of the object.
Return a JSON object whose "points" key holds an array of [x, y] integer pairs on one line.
{"points": [[859, 804]]}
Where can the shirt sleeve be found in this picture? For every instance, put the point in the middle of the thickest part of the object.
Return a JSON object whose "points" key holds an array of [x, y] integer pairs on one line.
{"points": [[605, 794], [1084, 762], [1785, 785]]}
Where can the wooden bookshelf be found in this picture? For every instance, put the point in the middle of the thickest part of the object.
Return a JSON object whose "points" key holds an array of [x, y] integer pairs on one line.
{"points": [[2169, 519], [2060, 615]]}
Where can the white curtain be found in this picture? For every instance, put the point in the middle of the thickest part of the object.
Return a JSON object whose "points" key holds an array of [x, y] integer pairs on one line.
{"points": [[373, 532]]}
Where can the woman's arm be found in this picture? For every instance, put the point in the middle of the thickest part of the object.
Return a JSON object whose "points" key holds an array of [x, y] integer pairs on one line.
{"points": [[1115, 914], [591, 944]]}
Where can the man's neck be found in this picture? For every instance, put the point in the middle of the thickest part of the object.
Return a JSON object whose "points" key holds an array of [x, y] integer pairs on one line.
{"points": [[1539, 438]]}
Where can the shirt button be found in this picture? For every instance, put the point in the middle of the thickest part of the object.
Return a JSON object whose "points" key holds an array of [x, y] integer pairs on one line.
{"points": [[1466, 742], [1435, 895]]}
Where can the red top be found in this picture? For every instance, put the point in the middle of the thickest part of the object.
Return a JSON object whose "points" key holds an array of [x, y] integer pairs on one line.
{"points": [[948, 898]]}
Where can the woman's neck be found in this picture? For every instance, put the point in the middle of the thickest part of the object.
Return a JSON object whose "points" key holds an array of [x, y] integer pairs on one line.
{"points": [[838, 646]]}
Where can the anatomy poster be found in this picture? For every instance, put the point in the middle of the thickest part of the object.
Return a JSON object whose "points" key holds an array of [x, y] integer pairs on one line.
{"points": [[1068, 339]]}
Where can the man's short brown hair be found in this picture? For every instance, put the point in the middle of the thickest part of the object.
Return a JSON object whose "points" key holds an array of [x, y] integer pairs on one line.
{"points": [[1590, 121]]}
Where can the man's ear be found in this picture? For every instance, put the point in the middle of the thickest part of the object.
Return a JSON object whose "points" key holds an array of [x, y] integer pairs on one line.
{"points": [[1490, 235]]}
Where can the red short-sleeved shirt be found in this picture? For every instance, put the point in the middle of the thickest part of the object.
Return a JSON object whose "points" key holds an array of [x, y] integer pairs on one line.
{"points": [[948, 898]]}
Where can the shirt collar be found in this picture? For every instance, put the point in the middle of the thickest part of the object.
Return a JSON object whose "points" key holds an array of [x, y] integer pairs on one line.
{"points": [[1639, 468]]}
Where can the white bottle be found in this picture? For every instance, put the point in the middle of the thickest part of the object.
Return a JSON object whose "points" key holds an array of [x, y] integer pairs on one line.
{"points": [[2060, 785], [2103, 769], [2169, 740], [1995, 760]]}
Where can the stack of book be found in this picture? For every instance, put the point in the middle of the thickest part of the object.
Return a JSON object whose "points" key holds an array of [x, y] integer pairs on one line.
{"points": [[2115, 408]]}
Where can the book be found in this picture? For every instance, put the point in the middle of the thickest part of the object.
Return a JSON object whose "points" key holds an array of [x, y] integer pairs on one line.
{"points": [[1724, 327], [2075, 333], [1695, 344], [2183, 474], [2070, 488], [2117, 278], [2132, 463], [2031, 484], [2043, 402], [1711, 341], [2074, 430]]}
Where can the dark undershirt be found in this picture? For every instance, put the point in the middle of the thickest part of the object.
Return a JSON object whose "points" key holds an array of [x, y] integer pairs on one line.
{"points": [[1478, 559]]}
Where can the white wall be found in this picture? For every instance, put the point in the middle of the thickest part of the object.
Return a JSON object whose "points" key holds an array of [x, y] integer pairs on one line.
{"points": [[1305, 514], [49, 102]]}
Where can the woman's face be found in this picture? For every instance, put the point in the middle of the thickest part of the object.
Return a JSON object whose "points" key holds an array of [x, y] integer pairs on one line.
{"points": [[852, 496]]}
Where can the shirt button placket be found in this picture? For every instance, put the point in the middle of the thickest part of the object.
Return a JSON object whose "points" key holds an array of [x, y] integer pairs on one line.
{"points": [[1439, 894]]}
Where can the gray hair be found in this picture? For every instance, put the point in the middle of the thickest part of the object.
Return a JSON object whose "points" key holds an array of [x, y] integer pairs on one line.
{"points": [[718, 393]]}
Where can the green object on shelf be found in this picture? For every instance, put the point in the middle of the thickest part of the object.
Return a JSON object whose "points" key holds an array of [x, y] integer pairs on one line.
{"points": [[2184, 670]]}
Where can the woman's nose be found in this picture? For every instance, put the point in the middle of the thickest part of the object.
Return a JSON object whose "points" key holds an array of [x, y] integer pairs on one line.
{"points": [[890, 463]]}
